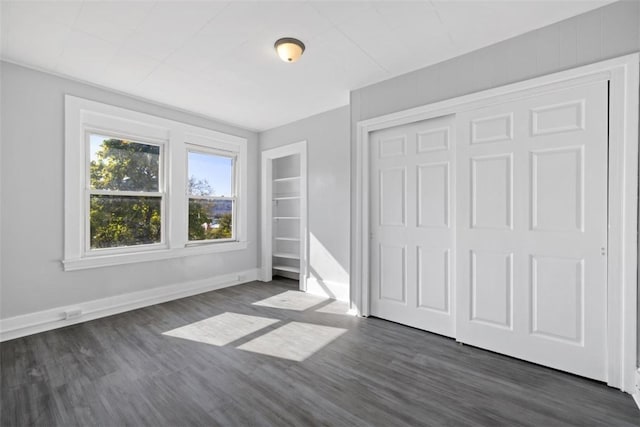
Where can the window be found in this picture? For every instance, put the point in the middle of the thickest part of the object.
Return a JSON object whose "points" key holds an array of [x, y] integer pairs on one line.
{"points": [[124, 193], [211, 196], [125, 180]]}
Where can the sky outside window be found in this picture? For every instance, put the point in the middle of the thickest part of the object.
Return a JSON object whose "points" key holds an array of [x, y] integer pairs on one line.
{"points": [[216, 170]]}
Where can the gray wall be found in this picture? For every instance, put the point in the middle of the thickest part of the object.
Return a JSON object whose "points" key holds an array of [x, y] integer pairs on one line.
{"points": [[607, 32], [32, 214], [327, 137], [603, 33]]}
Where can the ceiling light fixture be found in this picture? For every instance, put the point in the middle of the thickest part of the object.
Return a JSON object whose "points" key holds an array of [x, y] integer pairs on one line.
{"points": [[289, 49]]}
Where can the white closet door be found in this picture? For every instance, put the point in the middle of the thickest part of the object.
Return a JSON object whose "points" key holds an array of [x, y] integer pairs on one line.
{"points": [[412, 222], [532, 228]]}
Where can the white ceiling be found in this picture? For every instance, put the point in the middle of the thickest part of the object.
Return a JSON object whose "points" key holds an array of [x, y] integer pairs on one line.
{"points": [[217, 59]]}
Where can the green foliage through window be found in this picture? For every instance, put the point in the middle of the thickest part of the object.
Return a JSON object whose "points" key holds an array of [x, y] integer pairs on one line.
{"points": [[209, 219], [131, 214], [210, 212], [204, 226], [124, 220]]}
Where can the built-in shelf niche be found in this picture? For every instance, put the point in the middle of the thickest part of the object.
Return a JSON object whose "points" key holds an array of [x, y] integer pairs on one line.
{"points": [[286, 205]]}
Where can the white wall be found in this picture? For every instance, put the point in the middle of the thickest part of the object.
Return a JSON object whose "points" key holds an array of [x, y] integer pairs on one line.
{"points": [[32, 214], [327, 137]]}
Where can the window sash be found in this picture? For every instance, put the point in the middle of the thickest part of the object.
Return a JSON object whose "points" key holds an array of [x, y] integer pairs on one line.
{"points": [[89, 251], [234, 210], [125, 193], [198, 149], [211, 198], [88, 131], [89, 191]]}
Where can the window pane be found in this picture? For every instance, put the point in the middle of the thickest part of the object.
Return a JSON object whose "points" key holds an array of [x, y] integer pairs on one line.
{"points": [[210, 219], [124, 221], [118, 164], [210, 175]]}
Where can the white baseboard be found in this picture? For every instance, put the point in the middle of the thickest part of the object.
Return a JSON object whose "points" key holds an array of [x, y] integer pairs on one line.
{"points": [[636, 394], [40, 321], [339, 291]]}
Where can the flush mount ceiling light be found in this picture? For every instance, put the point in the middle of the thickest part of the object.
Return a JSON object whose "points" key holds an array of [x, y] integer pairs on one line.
{"points": [[289, 49]]}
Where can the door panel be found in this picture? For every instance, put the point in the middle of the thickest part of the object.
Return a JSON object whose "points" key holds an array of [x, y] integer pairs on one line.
{"points": [[557, 294], [433, 140], [532, 228], [393, 146], [433, 195], [491, 288], [393, 273], [492, 128], [557, 184], [392, 194], [491, 192], [412, 213], [433, 279]]}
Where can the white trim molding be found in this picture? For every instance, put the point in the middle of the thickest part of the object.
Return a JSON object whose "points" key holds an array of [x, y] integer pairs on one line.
{"points": [[268, 156], [623, 76], [155, 255], [32, 323], [174, 138], [636, 394]]}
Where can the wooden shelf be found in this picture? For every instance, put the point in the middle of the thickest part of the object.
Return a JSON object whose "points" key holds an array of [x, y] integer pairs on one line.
{"points": [[289, 178], [286, 268], [286, 255], [288, 239]]}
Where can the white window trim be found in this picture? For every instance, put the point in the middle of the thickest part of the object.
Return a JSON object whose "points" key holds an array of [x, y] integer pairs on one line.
{"points": [[161, 193], [82, 115]]}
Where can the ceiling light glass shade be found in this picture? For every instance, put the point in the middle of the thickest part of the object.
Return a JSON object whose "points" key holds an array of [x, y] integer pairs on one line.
{"points": [[289, 49]]}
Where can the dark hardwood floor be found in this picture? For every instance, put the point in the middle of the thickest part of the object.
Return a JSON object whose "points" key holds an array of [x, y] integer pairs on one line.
{"points": [[264, 354]]}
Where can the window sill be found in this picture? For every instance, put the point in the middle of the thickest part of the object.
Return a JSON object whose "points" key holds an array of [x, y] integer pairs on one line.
{"points": [[156, 255]]}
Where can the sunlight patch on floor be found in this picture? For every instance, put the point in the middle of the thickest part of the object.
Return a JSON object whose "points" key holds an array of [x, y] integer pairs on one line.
{"points": [[293, 341], [336, 307], [221, 329], [291, 300]]}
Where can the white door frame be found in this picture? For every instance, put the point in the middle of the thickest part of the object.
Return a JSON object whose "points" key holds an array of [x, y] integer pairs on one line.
{"points": [[268, 156], [623, 76]]}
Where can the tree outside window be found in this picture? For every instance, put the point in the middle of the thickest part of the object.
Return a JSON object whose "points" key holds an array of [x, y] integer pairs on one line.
{"points": [[211, 196], [125, 202]]}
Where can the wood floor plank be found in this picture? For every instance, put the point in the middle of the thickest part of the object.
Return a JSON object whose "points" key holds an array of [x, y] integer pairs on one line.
{"points": [[128, 369]]}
